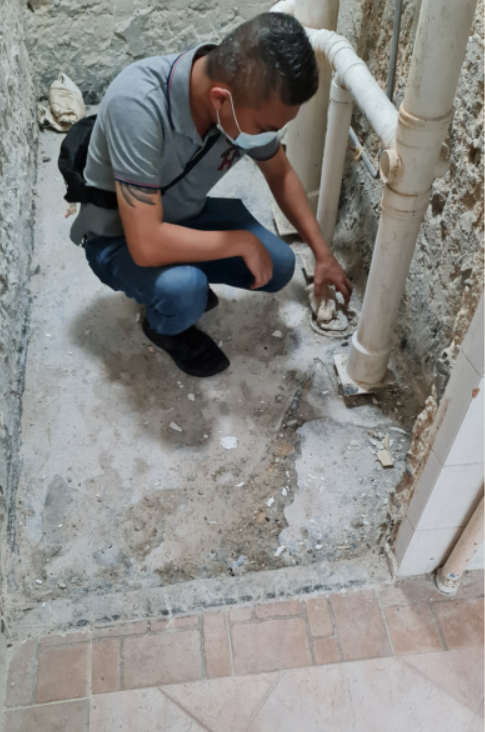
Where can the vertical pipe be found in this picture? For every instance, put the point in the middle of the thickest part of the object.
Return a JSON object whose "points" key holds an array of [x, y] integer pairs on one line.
{"points": [[408, 172], [306, 134], [449, 575], [396, 29], [336, 140]]}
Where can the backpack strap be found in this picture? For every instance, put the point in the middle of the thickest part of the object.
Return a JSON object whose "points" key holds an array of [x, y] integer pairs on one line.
{"points": [[192, 163]]}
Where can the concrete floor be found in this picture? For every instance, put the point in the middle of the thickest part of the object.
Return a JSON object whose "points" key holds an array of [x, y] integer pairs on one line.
{"points": [[113, 500]]}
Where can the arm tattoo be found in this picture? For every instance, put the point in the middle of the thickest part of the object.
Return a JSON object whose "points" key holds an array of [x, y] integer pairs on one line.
{"points": [[139, 193]]}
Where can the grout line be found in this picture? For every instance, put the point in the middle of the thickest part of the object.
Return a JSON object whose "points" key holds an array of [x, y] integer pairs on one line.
{"points": [[229, 642], [309, 634], [202, 646], [335, 631], [121, 660], [384, 619], [263, 701], [182, 708], [438, 627]]}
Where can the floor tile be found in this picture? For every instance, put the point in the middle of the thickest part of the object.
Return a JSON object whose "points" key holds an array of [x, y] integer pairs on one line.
{"points": [[105, 666], [318, 616], [240, 614], [138, 628], [326, 651], [412, 628], [20, 678], [186, 621], [72, 716], [270, 645], [360, 625], [461, 622], [216, 645], [140, 710], [62, 673], [409, 591], [277, 609], [459, 673], [379, 695], [472, 585], [169, 658], [223, 705]]}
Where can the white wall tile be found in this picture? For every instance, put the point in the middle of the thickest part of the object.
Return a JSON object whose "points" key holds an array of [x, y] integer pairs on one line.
{"points": [[458, 395], [423, 490], [473, 346], [467, 447], [427, 550], [404, 536], [454, 497], [478, 559]]}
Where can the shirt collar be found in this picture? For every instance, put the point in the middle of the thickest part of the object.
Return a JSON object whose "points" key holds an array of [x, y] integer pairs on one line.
{"points": [[178, 93]]}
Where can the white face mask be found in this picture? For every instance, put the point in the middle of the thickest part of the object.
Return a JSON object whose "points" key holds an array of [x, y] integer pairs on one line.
{"points": [[244, 140]]}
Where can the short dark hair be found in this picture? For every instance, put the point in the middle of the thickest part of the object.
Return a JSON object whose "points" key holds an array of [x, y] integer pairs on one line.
{"points": [[269, 54]]}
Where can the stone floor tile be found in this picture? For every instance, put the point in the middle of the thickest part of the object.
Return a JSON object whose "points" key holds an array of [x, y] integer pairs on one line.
{"points": [[360, 625], [216, 645], [140, 710], [277, 609], [461, 622], [458, 672], [223, 705], [169, 658], [240, 614], [62, 673], [138, 628], [325, 651], [377, 695], [66, 639], [20, 680], [105, 666], [186, 621], [270, 645], [71, 716], [472, 585], [409, 591], [319, 616], [412, 628]]}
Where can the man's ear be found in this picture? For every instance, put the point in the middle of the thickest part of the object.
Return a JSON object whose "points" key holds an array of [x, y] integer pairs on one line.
{"points": [[219, 96]]}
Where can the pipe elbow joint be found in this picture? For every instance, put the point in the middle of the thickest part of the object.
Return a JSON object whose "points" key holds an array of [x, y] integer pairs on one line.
{"points": [[390, 166]]}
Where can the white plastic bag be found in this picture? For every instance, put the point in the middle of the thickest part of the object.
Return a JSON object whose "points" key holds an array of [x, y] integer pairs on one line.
{"points": [[66, 105]]}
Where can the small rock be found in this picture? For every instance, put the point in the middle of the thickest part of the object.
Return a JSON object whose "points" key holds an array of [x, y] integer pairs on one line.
{"points": [[150, 349], [46, 159], [39, 582], [277, 334], [270, 501], [292, 423], [318, 546], [240, 485], [191, 397], [61, 585], [280, 550], [229, 442], [175, 427], [284, 492]]}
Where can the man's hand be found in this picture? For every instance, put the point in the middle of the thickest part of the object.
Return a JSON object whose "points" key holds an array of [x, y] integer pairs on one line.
{"points": [[329, 272], [259, 262]]}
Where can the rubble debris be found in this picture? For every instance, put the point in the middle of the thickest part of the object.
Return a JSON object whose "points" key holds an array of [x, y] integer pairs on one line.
{"points": [[191, 397], [229, 442], [270, 501], [277, 334], [175, 427], [280, 550]]}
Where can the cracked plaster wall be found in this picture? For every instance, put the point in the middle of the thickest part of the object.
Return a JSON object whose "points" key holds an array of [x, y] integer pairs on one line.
{"points": [[18, 131], [93, 40], [448, 254]]}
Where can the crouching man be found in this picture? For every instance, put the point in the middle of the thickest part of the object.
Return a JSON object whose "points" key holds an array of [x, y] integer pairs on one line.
{"points": [[168, 129]]}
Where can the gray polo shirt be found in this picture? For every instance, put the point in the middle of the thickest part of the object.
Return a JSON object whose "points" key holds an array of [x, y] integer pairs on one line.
{"points": [[145, 134]]}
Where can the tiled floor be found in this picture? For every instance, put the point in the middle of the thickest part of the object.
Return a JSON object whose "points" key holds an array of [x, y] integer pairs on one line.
{"points": [[395, 658]]}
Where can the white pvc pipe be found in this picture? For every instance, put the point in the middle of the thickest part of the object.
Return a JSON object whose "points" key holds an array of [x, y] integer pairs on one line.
{"points": [[449, 575], [306, 134], [408, 171], [336, 141]]}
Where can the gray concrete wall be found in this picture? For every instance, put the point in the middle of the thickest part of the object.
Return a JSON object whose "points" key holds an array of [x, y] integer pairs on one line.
{"points": [[93, 40], [18, 131], [448, 249]]}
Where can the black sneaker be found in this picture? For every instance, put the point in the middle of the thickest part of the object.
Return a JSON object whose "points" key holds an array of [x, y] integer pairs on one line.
{"points": [[193, 351], [212, 301]]}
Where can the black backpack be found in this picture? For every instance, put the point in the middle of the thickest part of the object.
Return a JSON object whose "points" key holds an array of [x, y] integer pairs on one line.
{"points": [[72, 161]]}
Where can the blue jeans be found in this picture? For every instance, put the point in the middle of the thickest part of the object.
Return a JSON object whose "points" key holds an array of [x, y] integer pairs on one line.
{"points": [[176, 296]]}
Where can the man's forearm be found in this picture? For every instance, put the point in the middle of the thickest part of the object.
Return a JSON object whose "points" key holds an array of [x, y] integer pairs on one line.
{"points": [[173, 244], [293, 201]]}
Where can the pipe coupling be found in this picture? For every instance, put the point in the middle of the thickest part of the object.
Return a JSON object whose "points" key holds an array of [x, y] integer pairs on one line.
{"points": [[420, 132], [401, 206], [390, 166]]}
